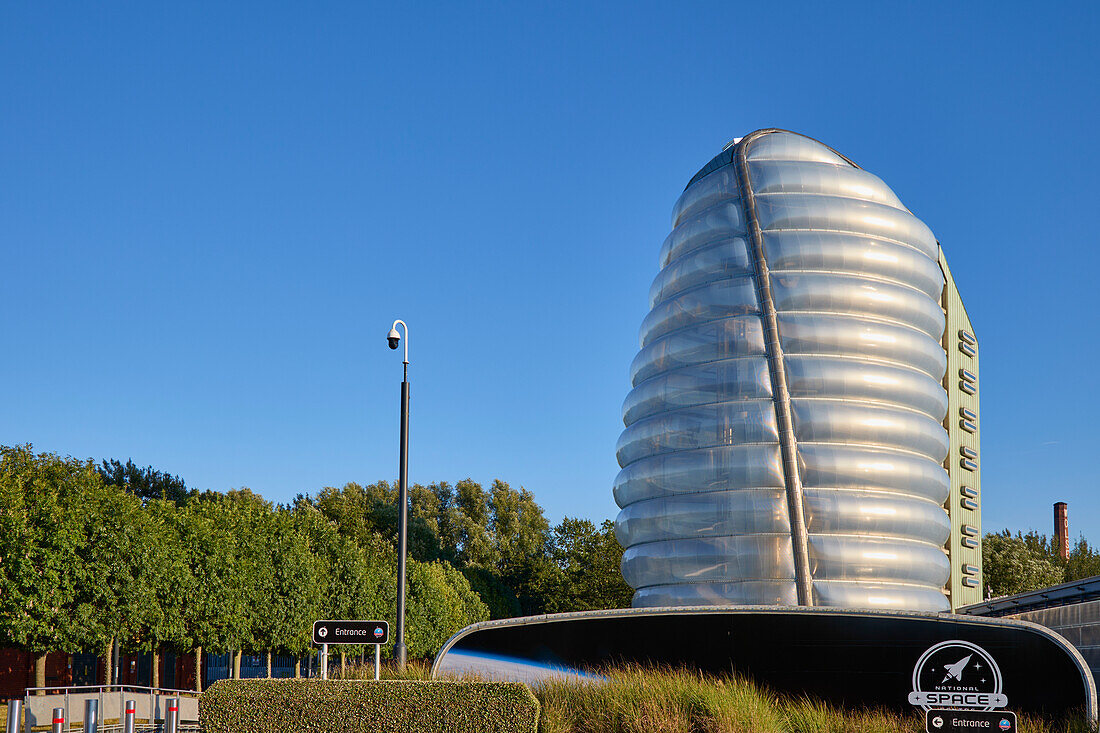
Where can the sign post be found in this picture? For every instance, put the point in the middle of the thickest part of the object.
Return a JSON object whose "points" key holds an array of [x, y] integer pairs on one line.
{"points": [[351, 632]]}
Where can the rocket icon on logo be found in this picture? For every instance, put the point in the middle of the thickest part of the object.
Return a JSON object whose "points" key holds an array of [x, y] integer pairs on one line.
{"points": [[955, 671]]}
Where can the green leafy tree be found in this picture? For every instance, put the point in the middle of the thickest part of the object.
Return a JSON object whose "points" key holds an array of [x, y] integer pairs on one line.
{"points": [[519, 529], [440, 603], [1026, 562], [360, 512], [44, 513], [156, 577], [216, 616], [363, 511], [144, 483], [469, 524], [91, 554], [1018, 563], [298, 580], [358, 580], [588, 558], [1084, 561], [521, 543], [138, 575], [498, 597], [115, 543], [425, 540]]}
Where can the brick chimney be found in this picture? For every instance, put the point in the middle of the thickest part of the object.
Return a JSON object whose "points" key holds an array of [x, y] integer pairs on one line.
{"points": [[1061, 528]]}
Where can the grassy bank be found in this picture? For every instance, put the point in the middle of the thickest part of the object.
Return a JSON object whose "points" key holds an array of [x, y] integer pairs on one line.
{"points": [[645, 700]]}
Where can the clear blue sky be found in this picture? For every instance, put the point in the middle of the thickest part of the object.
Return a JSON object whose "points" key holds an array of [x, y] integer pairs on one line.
{"points": [[211, 212]]}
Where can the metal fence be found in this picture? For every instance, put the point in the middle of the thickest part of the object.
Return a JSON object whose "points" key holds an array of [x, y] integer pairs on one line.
{"points": [[151, 706], [253, 666]]}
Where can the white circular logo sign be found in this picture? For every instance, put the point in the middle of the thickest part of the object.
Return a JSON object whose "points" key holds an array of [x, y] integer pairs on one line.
{"points": [[322, 632], [957, 674]]}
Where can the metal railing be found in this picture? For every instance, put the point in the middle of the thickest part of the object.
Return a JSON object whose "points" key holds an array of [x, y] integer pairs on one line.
{"points": [[143, 708]]}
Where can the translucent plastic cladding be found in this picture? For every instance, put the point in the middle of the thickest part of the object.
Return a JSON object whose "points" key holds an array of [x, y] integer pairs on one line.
{"points": [[794, 289]]}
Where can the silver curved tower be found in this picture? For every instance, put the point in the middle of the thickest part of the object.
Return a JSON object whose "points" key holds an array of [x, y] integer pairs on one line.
{"points": [[784, 440]]}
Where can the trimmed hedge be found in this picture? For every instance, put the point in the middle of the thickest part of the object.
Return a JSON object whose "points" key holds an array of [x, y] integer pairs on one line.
{"points": [[317, 706]]}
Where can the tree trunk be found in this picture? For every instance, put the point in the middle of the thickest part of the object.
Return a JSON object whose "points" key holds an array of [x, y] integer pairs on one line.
{"points": [[343, 663], [269, 664], [108, 660], [155, 667], [297, 668], [40, 671], [117, 652], [198, 669], [237, 664]]}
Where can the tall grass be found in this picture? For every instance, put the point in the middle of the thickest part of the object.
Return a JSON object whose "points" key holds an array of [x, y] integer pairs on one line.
{"points": [[645, 700], [638, 699], [416, 669]]}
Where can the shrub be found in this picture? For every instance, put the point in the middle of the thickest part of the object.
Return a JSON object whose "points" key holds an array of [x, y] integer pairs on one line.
{"points": [[316, 706], [440, 603]]}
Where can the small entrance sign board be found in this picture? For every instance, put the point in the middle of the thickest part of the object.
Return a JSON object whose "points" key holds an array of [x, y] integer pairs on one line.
{"points": [[351, 632], [956, 721]]}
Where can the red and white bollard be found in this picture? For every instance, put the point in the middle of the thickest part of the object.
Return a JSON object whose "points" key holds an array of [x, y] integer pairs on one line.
{"points": [[58, 720], [172, 720], [128, 717]]}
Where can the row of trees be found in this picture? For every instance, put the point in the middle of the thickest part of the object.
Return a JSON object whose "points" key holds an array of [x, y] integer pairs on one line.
{"points": [[93, 555], [1025, 562]]}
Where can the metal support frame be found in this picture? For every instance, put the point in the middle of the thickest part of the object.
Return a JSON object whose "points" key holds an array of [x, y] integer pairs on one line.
{"points": [[777, 368]]}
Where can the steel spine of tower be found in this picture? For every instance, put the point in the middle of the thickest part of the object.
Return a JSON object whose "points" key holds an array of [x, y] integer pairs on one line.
{"points": [[781, 396], [783, 439]]}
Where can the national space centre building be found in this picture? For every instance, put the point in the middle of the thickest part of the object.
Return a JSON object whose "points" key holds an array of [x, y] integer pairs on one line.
{"points": [[803, 424], [799, 492]]}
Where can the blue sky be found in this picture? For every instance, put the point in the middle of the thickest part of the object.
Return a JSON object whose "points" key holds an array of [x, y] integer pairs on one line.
{"points": [[211, 212]]}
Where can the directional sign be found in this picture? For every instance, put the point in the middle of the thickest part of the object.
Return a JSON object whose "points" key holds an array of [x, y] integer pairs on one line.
{"points": [[351, 632], [956, 721]]}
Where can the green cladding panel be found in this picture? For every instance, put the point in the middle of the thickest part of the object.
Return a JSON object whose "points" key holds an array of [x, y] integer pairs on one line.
{"points": [[963, 424]]}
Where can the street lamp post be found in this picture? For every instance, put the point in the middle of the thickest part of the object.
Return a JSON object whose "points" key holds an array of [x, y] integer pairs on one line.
{"points": [[394, 338]]}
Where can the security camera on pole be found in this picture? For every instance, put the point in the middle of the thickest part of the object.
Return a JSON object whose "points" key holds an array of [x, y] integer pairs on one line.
{"points": [[394, 339]]}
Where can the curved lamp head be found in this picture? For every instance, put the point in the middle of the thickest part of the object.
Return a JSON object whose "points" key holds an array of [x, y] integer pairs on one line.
{"points": [[393, 338]]}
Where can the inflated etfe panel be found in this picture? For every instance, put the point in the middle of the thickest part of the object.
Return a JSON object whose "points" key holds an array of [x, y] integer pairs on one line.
{"points": [[784, 440]]}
